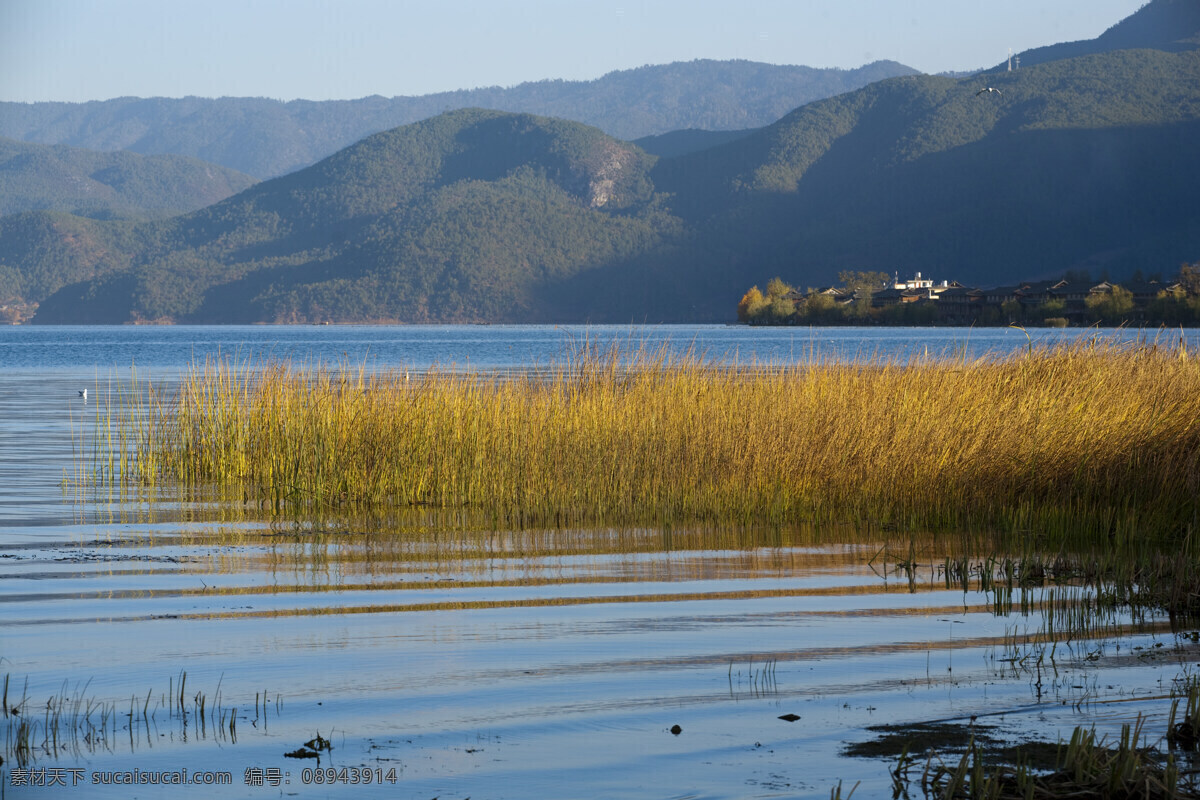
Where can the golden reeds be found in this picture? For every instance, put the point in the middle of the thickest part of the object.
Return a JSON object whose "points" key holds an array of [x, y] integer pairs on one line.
{"points": [[1095, 437]]}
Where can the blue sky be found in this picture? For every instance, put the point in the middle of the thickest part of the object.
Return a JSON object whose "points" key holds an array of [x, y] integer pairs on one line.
{"points": [[77, 50]]}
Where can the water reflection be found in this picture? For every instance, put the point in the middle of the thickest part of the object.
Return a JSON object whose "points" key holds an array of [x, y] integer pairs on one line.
{"points": [[480, 659], [195, 558], [546, 638]]}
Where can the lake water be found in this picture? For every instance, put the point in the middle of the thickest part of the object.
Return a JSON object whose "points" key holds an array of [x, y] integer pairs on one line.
{"points": [[450, 659]]}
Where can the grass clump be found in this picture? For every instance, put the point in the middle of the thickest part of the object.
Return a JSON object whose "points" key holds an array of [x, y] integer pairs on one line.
{"points": [[1095, 437], [1185, 734], [1086, 768]]}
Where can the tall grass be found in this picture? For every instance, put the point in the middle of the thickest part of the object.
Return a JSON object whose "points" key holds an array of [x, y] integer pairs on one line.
{"points": [[1093, 438]]}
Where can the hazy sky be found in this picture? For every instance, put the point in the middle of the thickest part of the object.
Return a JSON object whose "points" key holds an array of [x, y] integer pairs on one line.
{"points": [[319, 49]]}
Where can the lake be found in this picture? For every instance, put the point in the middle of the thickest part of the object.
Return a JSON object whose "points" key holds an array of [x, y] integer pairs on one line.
{"points": [[437, 656]]}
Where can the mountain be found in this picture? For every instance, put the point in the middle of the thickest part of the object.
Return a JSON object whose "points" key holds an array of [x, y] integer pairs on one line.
{"points": [[1080, 163], [40, 252], [266, 138], [1086, 163], [36, 177], [469, 216], [1168, 25]]}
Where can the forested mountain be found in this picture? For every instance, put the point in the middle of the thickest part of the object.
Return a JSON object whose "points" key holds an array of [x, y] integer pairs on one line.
{"points": [[1170, 25], [1086, 163], [471, 215], [266, 138], [1081, 163], [35, 177]]}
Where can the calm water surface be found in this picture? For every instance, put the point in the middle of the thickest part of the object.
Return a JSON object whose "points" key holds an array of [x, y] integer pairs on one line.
{"points": [[462, 660]]}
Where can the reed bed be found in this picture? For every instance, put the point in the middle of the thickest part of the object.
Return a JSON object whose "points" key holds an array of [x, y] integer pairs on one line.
{"points": [[1097, 438]]}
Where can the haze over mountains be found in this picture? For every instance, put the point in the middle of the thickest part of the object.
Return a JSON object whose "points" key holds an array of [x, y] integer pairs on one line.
{"points": [[267, 138], [1081, 162], [110, 185]]}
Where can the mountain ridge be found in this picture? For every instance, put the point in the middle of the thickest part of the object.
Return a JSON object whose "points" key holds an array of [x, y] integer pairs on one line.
{"points": [[267, 138], [487, 216], [1168, 25], [470, 178], [109, 185]]}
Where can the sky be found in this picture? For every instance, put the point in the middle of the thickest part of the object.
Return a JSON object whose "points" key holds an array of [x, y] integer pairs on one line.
{"points": [[79, 50]]}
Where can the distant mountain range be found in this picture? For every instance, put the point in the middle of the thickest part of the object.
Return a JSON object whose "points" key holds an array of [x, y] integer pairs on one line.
{"points": [[1084, 162], [266, 138], [37, 177]]}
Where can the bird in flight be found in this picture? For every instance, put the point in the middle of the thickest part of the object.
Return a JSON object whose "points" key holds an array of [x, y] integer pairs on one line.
{"points": [[989, 90]]}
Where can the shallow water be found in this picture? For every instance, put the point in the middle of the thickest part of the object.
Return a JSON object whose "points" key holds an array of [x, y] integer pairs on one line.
{"points": [[491, 663]]}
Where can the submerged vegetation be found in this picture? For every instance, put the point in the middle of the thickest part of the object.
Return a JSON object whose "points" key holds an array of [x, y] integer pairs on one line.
{"points": [[970, 761], [1086, 767], [1096, 438], [73, 723]]}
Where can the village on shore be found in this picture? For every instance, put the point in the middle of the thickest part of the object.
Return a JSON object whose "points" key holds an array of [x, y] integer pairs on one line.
{"points": [[874, 298]]}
